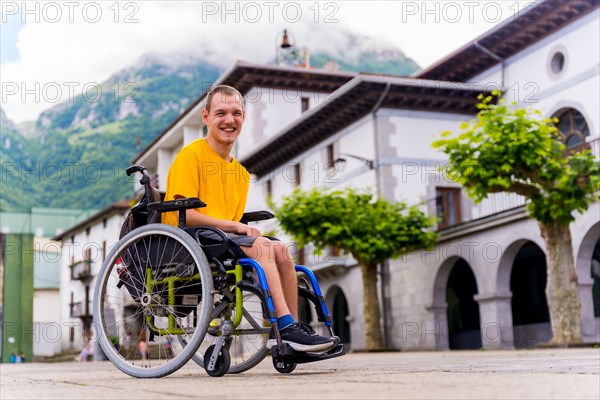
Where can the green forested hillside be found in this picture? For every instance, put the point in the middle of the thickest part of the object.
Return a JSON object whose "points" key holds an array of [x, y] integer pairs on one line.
{"points": [[82, 148], [18, 171]]}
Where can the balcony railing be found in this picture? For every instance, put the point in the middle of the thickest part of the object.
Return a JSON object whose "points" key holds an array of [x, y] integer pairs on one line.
{"points": [[81, 309], [495, 203], [81, 270]]}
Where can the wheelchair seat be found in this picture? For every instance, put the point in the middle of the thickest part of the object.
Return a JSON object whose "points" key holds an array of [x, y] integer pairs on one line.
{"points": [[214, 242]]}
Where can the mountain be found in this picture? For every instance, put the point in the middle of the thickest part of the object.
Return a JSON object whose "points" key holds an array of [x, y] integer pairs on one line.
{"points": [[359, 53], [92, 140], [19, 175], [370, 61], [75, 154]]}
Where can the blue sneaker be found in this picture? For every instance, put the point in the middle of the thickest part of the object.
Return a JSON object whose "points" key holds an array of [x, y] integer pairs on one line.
{"points": [[301, 337]]}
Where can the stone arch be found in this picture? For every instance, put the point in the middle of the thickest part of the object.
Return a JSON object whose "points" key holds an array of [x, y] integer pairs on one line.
{"points": [[527, 285], [587, 286], [447, 336], [506, 263], [338, 309], [464, 322]]}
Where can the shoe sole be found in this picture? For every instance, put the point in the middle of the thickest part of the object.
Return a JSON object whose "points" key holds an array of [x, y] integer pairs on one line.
{"points": [[302, 347]]}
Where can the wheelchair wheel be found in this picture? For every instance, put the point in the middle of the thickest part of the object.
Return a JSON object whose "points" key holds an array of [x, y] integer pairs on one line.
{"points": [[154, 288], [248, 343], [221, 364]]}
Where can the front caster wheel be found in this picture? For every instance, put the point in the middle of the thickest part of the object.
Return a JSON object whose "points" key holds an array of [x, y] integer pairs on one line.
{"points": [[221, 364], [283, 366]]}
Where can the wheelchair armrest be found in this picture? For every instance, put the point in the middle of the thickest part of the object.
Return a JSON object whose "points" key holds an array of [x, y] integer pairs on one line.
{"points": [[256, 216], [175, 205]]}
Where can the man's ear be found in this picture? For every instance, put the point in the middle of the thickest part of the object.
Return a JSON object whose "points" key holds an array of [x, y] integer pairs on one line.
{"points": [[204, 114]]}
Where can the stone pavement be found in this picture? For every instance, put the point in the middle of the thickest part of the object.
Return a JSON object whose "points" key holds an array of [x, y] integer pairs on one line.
{"points": [[520, 374]]}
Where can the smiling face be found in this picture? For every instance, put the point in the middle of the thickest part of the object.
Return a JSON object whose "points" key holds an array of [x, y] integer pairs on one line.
{"points": [[224, 120]]}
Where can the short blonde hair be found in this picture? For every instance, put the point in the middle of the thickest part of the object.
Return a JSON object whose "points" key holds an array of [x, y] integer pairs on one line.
{"points": [[226, 90]]}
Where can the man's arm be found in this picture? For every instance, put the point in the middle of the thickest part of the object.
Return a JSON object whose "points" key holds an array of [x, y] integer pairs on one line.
{"points": [[194, 218]]}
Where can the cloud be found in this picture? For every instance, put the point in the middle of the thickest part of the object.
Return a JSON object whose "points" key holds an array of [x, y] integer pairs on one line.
{"points": [[85, 46]]}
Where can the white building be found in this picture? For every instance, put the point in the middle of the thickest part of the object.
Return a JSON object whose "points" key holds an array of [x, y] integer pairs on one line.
{"points": [[84, 248], [483, 285]]}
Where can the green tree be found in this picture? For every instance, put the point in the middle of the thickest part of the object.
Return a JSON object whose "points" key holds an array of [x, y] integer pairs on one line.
{"points": [[509, 149], [370, 229]]}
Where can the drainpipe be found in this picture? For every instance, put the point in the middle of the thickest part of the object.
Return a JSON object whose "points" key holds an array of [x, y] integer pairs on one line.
{"points": [[495, 57], [383, 267]]}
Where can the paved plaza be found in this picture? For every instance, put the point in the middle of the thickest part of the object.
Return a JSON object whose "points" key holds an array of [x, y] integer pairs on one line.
{"points": [[523, 374]]}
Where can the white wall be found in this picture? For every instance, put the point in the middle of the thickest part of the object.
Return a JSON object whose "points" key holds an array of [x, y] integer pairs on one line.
{"points": [[268, 112], [530, 82], [46, 319], [75, 251]]}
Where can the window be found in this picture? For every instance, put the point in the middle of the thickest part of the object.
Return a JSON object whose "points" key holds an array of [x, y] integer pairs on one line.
{"points": [[72, 306], [87, 300], [330, 156], [447, 203], [269, 188], [304, 103], [557, 63], [297, 174], [573, 129]]}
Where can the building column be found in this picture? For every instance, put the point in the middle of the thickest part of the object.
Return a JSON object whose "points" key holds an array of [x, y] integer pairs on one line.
{"points": [[18, 332], [190, 134], [495, 313], [165, 159], [440, 327], [590, 325]]}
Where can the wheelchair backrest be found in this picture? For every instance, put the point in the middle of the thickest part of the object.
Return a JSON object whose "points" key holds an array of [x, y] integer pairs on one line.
{"points": [[139, 214]]}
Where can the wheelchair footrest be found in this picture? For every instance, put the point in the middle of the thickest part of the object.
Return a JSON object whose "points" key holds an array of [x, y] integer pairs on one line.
{"points": [[287, 354]]}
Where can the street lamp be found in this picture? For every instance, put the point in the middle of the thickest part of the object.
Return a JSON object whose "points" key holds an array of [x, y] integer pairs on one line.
{"points": [[342, 161]]}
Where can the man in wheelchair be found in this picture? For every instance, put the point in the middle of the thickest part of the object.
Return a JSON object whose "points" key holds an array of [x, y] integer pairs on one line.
{"points": [[205, 169]]}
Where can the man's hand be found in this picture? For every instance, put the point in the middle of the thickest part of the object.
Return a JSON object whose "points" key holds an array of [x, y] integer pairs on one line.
{"points": [[243, 229], [195, 218]]}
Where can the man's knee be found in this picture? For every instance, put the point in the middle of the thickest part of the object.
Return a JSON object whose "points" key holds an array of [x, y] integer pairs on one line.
{"points": [[283, 254], [262, 250], [272, 251]]}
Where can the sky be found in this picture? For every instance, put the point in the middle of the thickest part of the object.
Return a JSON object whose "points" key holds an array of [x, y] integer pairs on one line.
{"points": [[52, 51]]}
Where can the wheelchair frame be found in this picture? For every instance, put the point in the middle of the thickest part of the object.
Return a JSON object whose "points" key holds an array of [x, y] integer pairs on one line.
{"points": [[174, 298]]}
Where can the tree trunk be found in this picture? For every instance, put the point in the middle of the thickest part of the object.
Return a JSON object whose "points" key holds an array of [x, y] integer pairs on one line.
{"points": [[371, 307], [561, 289]]}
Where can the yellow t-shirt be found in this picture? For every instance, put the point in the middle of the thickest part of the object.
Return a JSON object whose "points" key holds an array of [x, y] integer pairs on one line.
{"points": [[198, 171]]}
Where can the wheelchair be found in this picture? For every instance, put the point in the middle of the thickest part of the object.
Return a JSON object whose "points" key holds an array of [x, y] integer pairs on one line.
{"points": [[166, 295]]}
